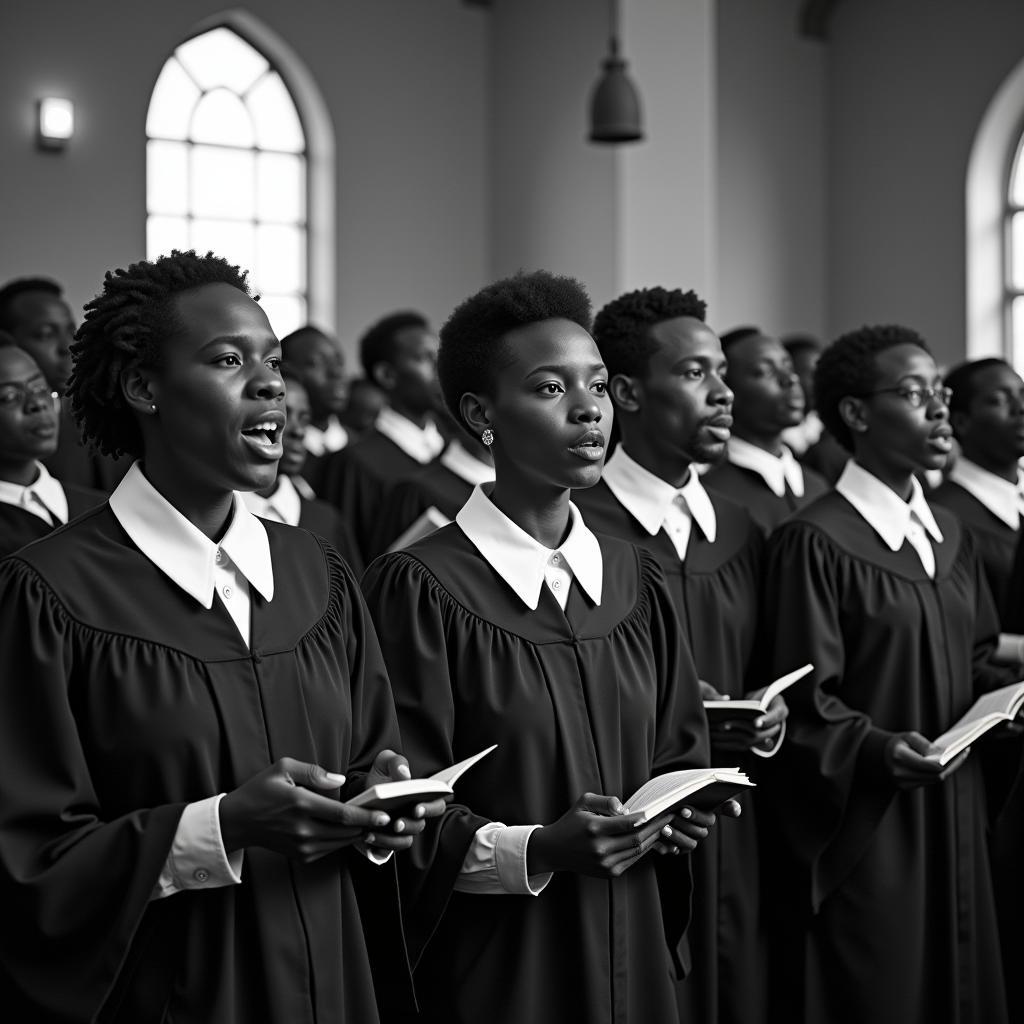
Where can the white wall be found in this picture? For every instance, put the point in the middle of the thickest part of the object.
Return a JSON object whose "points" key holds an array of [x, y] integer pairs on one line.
{"points": [[404, 83], [909, 83], [771, 170]]}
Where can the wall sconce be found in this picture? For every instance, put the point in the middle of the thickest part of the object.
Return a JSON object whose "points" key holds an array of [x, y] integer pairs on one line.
{"points": [[615, 103], [56, 122]]}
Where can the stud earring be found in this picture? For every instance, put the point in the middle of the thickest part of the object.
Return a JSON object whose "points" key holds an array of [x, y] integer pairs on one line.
{"points": [[487, 437], [153, 408]]}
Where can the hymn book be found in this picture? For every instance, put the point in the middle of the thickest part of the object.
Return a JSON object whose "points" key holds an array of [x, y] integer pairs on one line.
{"points": [[985, 713], [386, 795], [721, 709], [429, 521], [703, 788]]}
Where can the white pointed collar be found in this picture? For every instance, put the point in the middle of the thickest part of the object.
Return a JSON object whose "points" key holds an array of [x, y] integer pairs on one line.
{"points": [[1002, 498], [883, 509], [423, 444], [519, 559], [647, 497], [45, 491], [775, 470], [283, 506], [182, 552]]}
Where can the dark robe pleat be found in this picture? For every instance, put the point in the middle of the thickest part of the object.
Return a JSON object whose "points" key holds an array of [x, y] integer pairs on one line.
{"points": [[748, 490], [124, 700], [326, 521], [883, 897], [593, 699], [715, 594], [358, 481]]}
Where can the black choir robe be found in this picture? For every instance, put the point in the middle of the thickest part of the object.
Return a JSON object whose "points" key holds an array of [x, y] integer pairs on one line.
{"points": [[359, 480], [715, 593], [434, 486], [123, 701], [326, 521], [747, 489], [19, 527], [884, 898], [994, 540], [593, 699]]}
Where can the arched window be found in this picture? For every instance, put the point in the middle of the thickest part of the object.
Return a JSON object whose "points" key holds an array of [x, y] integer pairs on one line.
{"points": [[226, 168], [1014, 260]]}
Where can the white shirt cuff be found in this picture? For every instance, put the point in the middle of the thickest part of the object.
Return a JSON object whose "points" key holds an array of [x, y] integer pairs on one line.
{"points": [[197, 859], [495, 863], [377, 857]]}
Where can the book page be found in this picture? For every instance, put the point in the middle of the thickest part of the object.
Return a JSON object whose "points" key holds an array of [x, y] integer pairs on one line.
{"points": [[664, 792], [451, 775], [784, 683]]}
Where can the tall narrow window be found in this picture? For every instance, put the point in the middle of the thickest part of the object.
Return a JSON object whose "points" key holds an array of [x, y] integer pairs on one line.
{"points": [[1015, 259], [226, 168]]}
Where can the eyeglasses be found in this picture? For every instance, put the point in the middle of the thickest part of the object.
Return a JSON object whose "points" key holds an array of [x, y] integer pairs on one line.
{"points": [[915, 395], [13, 395]]}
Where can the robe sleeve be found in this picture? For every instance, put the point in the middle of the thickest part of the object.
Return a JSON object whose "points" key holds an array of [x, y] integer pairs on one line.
{"points": [[74, 886], [833, 787], [408, 609]]}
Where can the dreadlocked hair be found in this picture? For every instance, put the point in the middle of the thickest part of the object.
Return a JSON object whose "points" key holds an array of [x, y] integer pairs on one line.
{"points": [[125, 325], [622, 328]]}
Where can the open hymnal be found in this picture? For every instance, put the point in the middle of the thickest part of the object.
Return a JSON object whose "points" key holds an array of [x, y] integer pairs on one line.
{"points": [[401, 793], [753, 708], [986, 712], [424, 526], [703, 788]]}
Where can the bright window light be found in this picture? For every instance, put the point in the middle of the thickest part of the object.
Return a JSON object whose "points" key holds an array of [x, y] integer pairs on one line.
{"points": [[56, 121]]}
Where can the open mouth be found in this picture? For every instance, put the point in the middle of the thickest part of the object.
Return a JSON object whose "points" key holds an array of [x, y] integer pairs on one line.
{"points": [[265, 436], [590, 447]]}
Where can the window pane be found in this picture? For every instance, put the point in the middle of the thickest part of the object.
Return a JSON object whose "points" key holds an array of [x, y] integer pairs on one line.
{"points": [[286, 313], [164, 234], [228, 238], [280, 187], [223, 182], [167, 177], [221, 117], [1017, 180], [280, 262], [1017, 251], [275, 117], [222, 58], [170, 106]]}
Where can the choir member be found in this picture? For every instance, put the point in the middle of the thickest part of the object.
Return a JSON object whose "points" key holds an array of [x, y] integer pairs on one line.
{"points": [[182, 684], [886, 914], [804, 350], [436, 493], [362, 407], [289, 499], [32, 502], [985, 487], [673, 410], [517, 625], [759, 471], [317, 361], [399, 354], [34, 314]]}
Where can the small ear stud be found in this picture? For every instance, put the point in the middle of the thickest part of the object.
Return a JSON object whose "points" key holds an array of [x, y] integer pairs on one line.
{"points": [[153, 408], [487, 437]]}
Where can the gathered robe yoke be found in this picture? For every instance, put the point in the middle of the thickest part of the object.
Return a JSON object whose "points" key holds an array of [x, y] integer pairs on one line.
{"points": [[715, 591], [887, 914], [124, 699], [597, 698]]}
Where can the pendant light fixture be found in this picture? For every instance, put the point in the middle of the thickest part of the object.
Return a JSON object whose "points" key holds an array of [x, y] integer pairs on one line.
{"points": [[615, 114]]}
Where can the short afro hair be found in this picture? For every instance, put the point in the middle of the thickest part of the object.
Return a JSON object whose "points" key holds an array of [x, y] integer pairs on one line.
{"points": [[847, 368], [795, 344], [737, 334], [126, 325], [472, 339], [13, 290], [622, 329], [377, 345], [960, 380]]}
